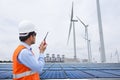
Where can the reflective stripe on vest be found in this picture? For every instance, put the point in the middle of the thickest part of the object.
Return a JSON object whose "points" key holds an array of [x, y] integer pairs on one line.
{"points": [[27, 73]]}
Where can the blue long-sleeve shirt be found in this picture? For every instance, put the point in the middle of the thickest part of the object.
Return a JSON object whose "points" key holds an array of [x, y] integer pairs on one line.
{"points": [[27, 58]]}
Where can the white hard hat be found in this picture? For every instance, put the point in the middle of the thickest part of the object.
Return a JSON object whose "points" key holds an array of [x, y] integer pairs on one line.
{"points": [[26, 27]]}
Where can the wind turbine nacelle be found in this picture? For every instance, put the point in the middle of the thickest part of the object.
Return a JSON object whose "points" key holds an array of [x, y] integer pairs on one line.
{"points": [[75, 20]]}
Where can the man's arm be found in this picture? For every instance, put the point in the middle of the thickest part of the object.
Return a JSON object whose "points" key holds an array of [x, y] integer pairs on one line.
{"points": [[27, 58]]}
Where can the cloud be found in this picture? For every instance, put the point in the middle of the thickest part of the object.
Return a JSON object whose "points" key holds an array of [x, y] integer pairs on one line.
{"points": [[54, 16]]}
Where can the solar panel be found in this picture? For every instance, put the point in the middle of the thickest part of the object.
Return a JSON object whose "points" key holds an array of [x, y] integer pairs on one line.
{"points": [[115, 72], [6, 75], [53, 75], [99, 74], [55, 69], [77, 75], [70, 71]]}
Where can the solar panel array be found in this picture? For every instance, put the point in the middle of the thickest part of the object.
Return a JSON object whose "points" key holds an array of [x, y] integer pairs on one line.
{"points": [[70, 71]]}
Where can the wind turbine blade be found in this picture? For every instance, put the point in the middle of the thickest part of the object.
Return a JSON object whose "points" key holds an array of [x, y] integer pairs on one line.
{"points": [[70, 24], [81, 21], [72, 12], [69, 32]]}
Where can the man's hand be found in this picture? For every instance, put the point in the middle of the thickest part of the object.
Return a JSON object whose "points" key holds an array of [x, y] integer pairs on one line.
{"points": [[43, 46]]}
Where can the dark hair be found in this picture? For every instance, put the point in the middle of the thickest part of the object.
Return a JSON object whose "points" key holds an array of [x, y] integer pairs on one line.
{"points": [[24, 38]]}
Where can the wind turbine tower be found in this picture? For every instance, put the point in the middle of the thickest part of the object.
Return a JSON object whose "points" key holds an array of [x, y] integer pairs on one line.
{"points": [[72, 24], [103, 57], [117, 54]]}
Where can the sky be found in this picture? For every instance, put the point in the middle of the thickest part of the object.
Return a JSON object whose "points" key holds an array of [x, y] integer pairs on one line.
{"points": [[53, 16]]}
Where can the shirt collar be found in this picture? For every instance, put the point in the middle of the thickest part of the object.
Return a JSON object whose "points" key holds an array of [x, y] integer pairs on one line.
{"points": [[26, 45]]}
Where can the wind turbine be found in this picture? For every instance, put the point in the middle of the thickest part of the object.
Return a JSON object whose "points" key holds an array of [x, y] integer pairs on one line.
{"points": [[88, 41], [116, 53], [72, 24]]}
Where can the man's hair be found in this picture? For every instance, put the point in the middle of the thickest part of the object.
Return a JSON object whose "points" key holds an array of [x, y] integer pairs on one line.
{"points": [[24, 38]]}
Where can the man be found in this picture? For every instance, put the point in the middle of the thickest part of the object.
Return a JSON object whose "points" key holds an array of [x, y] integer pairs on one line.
{"points": [[25, 65]]}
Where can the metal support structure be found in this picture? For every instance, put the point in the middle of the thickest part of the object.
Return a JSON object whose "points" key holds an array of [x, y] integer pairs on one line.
{"points": [[103, 57], [90, 53], [88, 44], [74, 40]]}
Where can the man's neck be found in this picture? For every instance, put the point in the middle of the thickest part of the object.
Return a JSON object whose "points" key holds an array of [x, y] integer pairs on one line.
{"points": [[28, 43]]}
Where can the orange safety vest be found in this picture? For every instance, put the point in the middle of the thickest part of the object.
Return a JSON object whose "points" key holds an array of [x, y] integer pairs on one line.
{"points": [[20, 71]]}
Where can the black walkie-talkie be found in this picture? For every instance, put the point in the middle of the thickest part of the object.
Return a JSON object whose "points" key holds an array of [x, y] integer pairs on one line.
{"points": [[45, 38]]}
